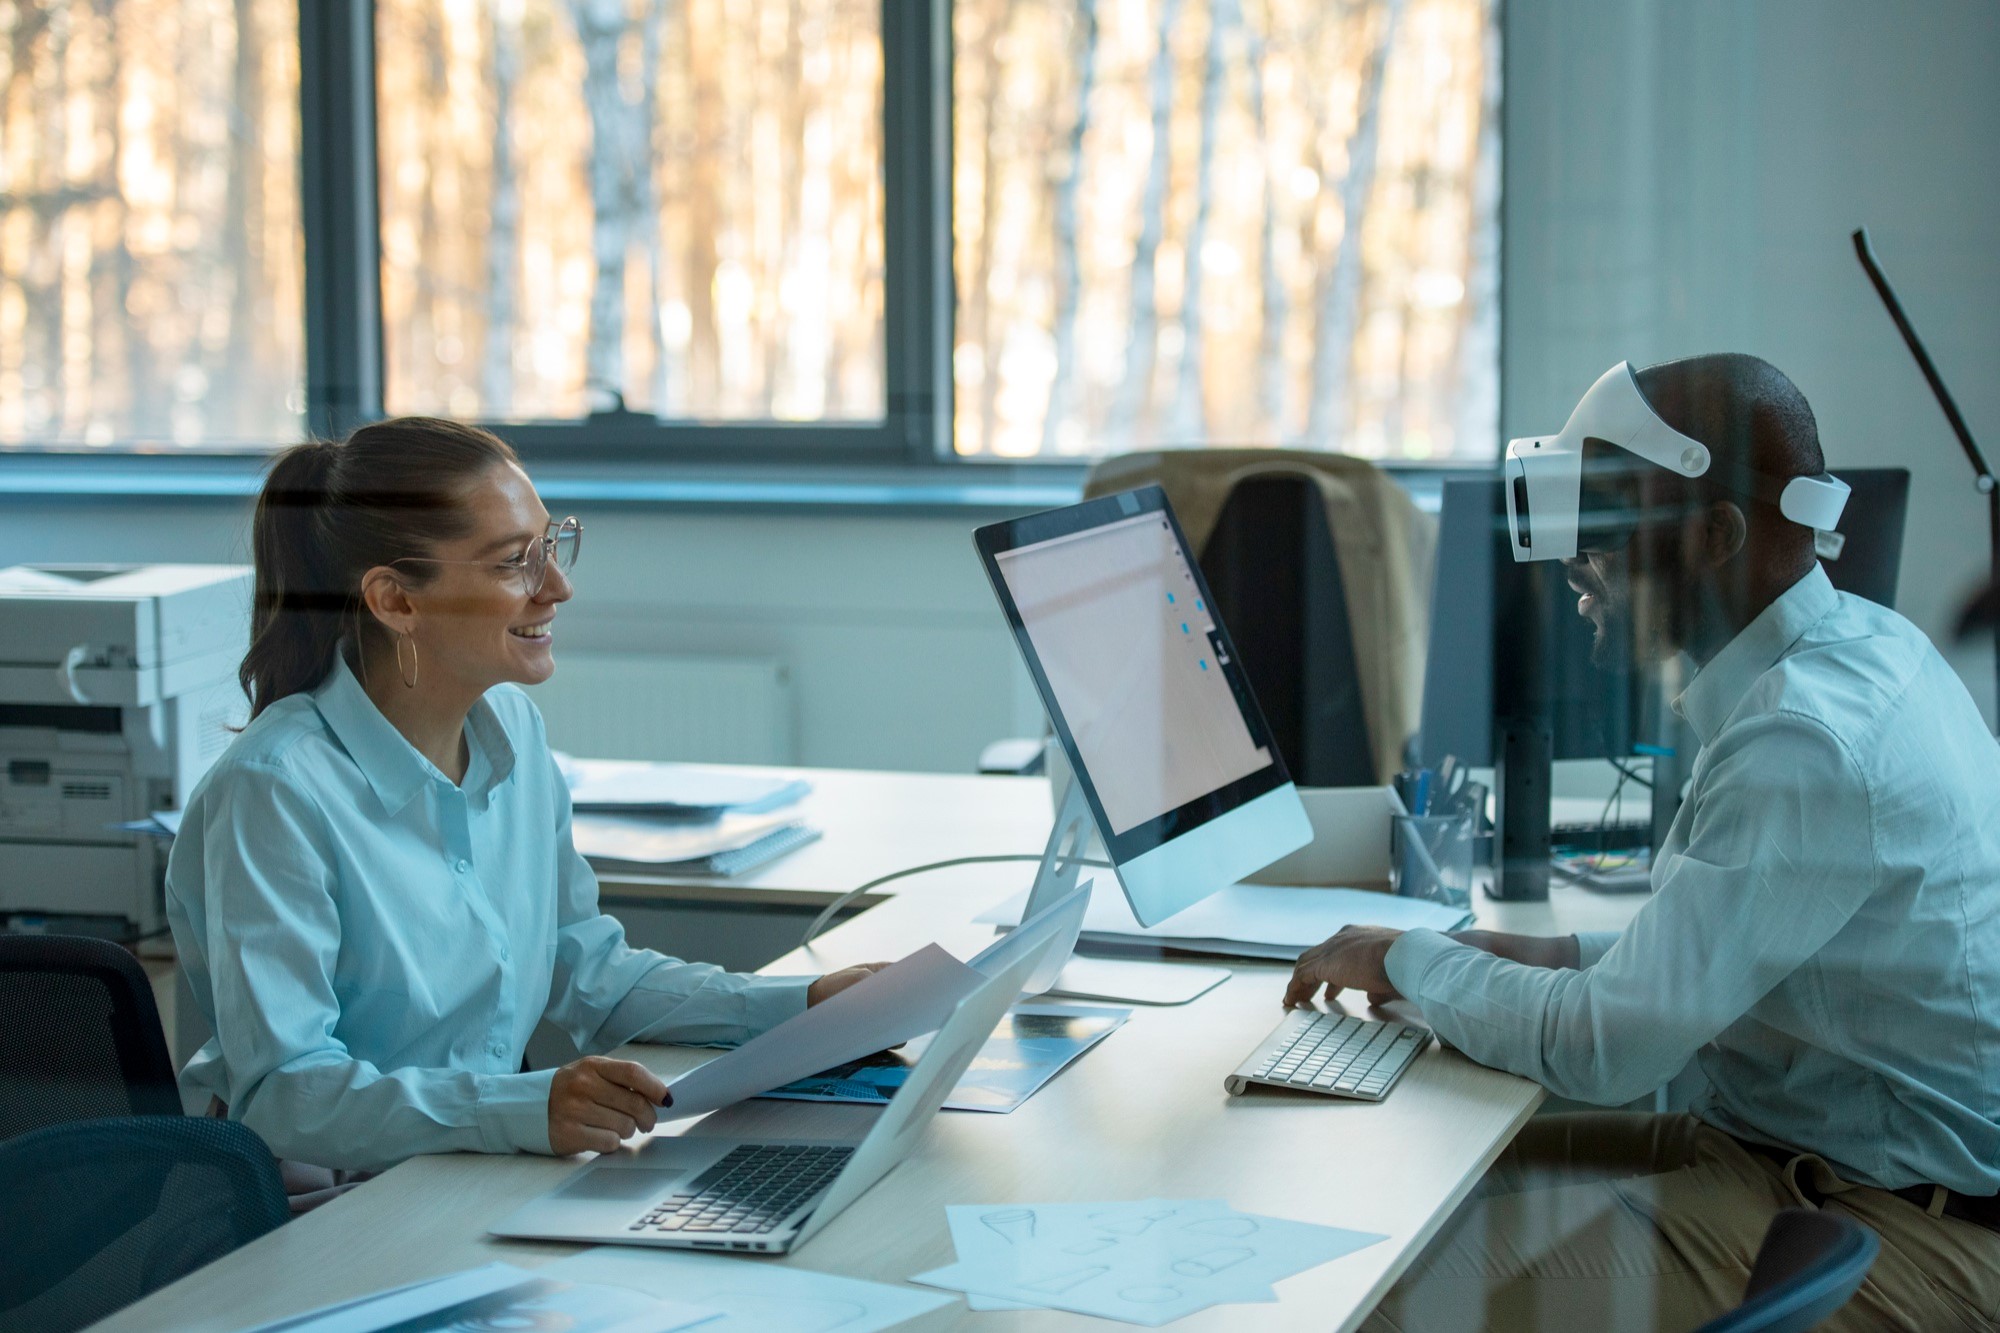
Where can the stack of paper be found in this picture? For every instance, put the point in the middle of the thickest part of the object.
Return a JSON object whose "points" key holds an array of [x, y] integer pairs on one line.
{"points": [[688, 819], [729, 845], [1149, 1262], [1250, 920], [682, 791]]}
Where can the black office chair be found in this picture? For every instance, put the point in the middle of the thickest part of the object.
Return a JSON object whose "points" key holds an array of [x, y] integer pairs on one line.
{"points": [[1810, 1263], [1871, 533], [101, 1212], [80, 1037]]}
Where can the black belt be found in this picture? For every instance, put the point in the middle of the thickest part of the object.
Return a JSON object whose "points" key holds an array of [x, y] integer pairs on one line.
{"points": [[1979, 1210]]}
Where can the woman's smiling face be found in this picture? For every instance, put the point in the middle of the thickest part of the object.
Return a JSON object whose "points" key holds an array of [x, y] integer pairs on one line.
{"points": [[478, 625]]}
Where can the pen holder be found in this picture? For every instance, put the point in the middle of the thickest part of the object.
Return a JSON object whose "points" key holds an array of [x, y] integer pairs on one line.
{"points": [[1430, 857]]}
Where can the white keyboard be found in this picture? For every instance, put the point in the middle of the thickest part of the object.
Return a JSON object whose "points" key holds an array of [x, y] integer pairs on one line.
{"points": [[1331, 1053]]}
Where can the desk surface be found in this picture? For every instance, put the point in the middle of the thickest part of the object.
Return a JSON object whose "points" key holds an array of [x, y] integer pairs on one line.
{"points": [[1142, 1114]]}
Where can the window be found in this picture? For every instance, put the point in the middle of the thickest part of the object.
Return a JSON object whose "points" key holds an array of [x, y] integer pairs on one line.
{"points": [[150, 260], [756, 226], [679, 203], [1218, 222]]}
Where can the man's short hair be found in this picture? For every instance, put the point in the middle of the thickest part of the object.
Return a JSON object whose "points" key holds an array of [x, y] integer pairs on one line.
{"points": [[1748, 413]]}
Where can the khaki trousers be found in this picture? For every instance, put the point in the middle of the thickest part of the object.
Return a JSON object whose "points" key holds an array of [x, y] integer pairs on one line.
{"points": [[1617, 1220]]}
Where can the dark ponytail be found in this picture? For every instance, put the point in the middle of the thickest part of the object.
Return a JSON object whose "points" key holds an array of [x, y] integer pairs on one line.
{"points": [[328, 514]]}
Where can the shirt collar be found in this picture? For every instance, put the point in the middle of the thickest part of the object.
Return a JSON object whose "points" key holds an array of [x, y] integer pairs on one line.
{"points": [[393, 768], [1719, 686]]}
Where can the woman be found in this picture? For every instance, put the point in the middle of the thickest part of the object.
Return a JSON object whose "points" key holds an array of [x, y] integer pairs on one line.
{"points": [[374, 892]]}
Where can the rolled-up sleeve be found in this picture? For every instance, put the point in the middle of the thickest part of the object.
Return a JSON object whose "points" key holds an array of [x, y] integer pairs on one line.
{"points": [[1779, 856], [272, 936], [606, 993]]}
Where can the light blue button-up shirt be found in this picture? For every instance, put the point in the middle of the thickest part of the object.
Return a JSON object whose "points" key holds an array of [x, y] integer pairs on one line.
{"points": [[372, 944], [1824, 930]]}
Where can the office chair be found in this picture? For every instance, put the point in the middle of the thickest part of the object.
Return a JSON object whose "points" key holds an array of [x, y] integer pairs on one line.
{"points": [[103, 1212], [1810, 1263], [1871, 529], [80, 1037]]}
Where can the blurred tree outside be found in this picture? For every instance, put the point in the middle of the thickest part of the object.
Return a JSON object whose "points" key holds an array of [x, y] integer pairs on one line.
{"points": [[1227, 222], [151, 285], [1175, 222]]}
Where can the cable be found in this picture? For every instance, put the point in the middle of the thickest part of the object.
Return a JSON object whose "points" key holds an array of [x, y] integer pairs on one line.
{"points": [[833, 908]]}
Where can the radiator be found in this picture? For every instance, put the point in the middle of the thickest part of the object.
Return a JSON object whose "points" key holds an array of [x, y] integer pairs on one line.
{"points": [[638, 706]]}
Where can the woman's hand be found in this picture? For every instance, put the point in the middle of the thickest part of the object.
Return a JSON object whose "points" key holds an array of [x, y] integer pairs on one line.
{"points": [[833, 983], [597, 1103]]}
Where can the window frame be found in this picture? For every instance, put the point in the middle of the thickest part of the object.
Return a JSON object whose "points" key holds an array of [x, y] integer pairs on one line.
{"points": [[345, 381]]}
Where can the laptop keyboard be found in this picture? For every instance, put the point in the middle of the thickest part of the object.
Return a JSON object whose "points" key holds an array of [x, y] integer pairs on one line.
{"points": [[1332, 1053], [753, 1189]]}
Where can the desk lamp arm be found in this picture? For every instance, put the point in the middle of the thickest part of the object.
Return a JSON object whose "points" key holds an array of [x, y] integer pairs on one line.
{"points": [[1983, 476]]}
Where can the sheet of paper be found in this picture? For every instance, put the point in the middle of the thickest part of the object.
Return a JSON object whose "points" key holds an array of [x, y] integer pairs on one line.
{"points": [[754, 1296], [1032, 1045], [636, 784], [1146, 1263], [503, 1296], [906, 999], [1266, 914]]}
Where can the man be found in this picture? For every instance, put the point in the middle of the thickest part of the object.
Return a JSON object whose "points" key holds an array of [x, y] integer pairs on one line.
{"points": [[1823, 936]]}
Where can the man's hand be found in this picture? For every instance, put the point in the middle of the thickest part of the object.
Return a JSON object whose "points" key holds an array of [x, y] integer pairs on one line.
{"points": [[833, 983], [597, 1103], [1351, 960]]}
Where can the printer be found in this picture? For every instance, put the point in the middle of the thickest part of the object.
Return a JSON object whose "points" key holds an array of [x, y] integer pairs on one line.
{"points": [[117, 691]]}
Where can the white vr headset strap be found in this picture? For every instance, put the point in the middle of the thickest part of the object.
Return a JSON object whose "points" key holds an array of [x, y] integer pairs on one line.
{"points": [[1616, 410]]}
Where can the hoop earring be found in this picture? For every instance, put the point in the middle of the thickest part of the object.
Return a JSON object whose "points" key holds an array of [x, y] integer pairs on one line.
{"points": [[410, 675]]}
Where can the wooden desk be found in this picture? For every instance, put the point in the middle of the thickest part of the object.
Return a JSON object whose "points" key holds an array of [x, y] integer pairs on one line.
{"points": [[1142, 1114]]}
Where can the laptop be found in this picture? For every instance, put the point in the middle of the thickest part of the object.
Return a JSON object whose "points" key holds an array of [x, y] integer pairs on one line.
{"points": [[770, 1195]]}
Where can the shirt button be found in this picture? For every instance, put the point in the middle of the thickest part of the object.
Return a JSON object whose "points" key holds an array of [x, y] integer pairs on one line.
{"points": [[463, 865], [497, 1049]]}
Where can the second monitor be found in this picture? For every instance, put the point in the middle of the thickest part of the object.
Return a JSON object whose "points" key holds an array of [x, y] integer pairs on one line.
{"points": [[1146, 696]]}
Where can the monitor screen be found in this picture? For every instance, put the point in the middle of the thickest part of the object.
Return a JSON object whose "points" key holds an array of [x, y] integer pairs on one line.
{"points": [[1140, 676]]}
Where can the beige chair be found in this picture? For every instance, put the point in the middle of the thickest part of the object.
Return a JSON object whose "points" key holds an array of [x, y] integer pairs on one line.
{"points": [[1330, 617]]}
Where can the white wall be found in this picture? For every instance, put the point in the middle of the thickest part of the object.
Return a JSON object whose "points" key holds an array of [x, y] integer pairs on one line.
{"points": [[898, 655], [1682, 177]]}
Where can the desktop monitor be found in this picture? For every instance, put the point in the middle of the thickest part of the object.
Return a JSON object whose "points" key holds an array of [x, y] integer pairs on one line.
{"points": [[1146, 695], [1506, 641], [1593, 710]]}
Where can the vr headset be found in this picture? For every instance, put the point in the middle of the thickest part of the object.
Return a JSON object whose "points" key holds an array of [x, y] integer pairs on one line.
{"points": [[1549, 514]]}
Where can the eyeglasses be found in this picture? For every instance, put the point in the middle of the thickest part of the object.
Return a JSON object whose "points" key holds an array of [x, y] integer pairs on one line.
{"points": [[558, 547]]}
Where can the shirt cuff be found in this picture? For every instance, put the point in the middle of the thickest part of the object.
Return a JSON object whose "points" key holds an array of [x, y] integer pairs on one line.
{"points": [[1411, 956], [769, 1001], [1592, 945], [513, 1111]]}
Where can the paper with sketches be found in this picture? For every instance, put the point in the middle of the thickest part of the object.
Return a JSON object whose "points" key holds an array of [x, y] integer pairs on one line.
{"points": [[1259, 920], [1146, 1263], [503, 1296], [1032, 1044], [906, 999], [754, 1296]]}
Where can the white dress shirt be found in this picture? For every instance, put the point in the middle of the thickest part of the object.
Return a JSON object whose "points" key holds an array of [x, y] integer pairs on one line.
{"points": [[372, 944], [1824, 929]]}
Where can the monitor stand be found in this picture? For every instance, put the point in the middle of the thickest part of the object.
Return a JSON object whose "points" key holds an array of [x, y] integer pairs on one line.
{"points": [[1063, 974]]}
